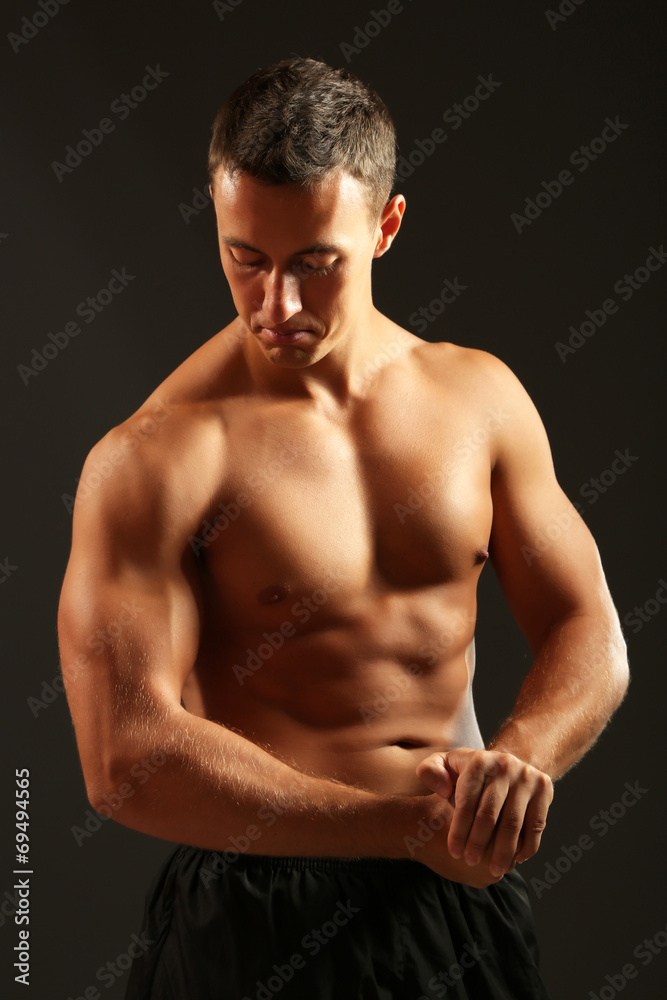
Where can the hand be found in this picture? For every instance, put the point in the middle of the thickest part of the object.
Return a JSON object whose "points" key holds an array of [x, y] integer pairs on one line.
{"points": [[500, 804]]}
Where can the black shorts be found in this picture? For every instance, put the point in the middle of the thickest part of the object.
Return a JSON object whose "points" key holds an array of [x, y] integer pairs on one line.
{"points": [[252, 927]]}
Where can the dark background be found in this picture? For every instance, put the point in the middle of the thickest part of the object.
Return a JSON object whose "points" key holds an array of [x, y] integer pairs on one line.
{"points": [[119, 208]]}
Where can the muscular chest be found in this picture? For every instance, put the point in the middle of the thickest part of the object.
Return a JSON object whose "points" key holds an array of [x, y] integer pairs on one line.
{"points": [[396, 498]]}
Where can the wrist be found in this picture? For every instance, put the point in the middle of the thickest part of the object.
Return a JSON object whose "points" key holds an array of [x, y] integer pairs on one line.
{"points": [[520, 737]]}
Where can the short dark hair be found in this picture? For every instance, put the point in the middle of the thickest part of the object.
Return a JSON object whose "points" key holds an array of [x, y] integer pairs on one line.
{"points": [[296, 120]]}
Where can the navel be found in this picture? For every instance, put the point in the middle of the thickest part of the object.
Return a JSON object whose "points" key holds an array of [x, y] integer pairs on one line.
{"points": [[274, 594]]}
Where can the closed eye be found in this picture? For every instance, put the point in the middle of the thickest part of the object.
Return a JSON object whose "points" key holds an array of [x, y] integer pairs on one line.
{"points": [[303, 268]]}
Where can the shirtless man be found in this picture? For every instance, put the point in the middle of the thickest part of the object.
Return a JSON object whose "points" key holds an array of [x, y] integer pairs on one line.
{"points": [[290, 532]]}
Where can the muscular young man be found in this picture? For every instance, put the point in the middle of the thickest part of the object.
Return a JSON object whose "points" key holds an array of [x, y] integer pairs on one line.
{"points": [[284, 542]]}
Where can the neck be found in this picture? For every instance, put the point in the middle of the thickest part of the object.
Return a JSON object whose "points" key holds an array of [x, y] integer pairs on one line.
{"points": [[342, 375]]}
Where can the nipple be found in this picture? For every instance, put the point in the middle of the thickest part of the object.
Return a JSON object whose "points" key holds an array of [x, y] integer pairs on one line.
{"points": [[274, 594], [481, 555]]}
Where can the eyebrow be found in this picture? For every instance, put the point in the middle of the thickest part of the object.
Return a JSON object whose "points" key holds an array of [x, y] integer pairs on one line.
{"points": [[316, 248]]}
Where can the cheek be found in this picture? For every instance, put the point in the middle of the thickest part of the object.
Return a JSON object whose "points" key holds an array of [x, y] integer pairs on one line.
{"points": [[245, 293]]}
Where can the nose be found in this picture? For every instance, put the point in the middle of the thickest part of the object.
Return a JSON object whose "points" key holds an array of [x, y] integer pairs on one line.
{"points": [[282, 297]]}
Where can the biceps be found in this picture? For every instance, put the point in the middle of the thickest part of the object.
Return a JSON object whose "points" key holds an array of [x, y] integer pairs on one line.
{"points": [[126, 647], [545, 557]]}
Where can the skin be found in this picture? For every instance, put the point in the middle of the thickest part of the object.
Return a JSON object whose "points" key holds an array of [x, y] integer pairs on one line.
{"points": [[298, 532]]}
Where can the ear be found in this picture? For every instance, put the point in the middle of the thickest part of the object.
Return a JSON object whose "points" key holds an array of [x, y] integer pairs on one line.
{"points": [[389, 224]]}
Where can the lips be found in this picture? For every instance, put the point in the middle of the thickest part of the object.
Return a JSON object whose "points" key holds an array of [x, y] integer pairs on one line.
{"points": [[284, 336]]}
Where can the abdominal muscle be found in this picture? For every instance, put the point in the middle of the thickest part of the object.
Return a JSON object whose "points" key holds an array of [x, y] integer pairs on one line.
{"points": [[331, 708]]}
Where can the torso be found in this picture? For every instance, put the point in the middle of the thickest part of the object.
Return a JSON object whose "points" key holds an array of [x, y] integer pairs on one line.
{"points": [[339, 567]]}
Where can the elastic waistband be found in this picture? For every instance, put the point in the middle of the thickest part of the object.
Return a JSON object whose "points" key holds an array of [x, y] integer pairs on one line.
{"points": [[273, 862]]}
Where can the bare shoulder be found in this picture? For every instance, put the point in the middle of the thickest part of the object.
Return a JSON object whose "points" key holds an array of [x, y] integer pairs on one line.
{"points": [[476, 373], [494, 400], [155, 472]]}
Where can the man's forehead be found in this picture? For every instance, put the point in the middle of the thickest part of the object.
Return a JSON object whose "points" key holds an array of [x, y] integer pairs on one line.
{"points": [[324, 213]]}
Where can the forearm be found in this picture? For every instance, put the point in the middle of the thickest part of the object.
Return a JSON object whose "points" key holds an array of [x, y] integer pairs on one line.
{"points": [[211, 784], [578, 679], [210, 787]]}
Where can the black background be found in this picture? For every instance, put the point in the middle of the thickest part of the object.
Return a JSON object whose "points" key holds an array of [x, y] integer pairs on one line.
{"points": [[122, 206]]}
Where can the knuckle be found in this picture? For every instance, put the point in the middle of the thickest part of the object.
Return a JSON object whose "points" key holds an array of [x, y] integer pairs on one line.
{"points": [[511, 822], [503, 764], [466, 813], [477, 773], [487, 815], [538, 825]]}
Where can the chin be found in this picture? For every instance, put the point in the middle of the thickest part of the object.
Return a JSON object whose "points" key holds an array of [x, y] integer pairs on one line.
{"points": [[292, 357]]}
